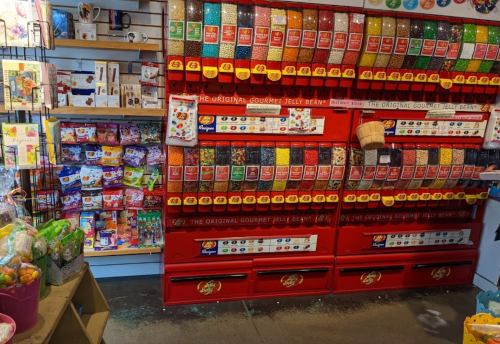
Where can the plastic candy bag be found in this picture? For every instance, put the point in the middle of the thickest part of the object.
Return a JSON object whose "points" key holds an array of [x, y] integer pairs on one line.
{"points": [[28, 273], [182, 128], [133, 176], [135, 156], [70, 178], [111, 156], [112, 176], [9, 266]]}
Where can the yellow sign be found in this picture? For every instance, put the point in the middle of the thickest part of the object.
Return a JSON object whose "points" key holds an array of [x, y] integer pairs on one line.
{"points": [[400, 197], [249, 200], [380, 76], [459, 79], [319, 199], [375, 197], [333, 198], [482, 195], [289, 70], [205, 200], [263, 200], [412, 197], [437, 196], [433, 78], [394, 76], [278, 199], [259, 69], [446, 83], [363, 198], [470, 199], [235, 200], [459, 195], [349, 74], [366, 75], [425, 196], [242, 73], [388, 201], [334, 73], [471, 80], [484, 80], [175, 65], [273, 75], [495, 81], [407, 77], [304, 71], [209, 72], [305, 199], [292, 199], [350, 198], [226, 68], [190, 201], [193, 66], [220, 200], [421, 77], [448, 196], [319, 71], [174, 201]]}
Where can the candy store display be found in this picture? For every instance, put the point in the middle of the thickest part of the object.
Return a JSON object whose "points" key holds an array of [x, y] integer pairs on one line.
{"points": [[387, 40], [245, 32], [194, 22], [480, 48], [229, 21], [468, 46], [222, 166], [442, 44], [493, 42], [402, 41], [340, 37], [428, 44], [278, 32], [455, 42], [309, 33], [356, 28], [415, 42], [371, 40], [325, 35], [111, 169], [262, 27]]}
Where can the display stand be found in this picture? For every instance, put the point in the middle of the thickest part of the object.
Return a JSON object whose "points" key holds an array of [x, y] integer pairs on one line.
{"points": [[58, 319]]}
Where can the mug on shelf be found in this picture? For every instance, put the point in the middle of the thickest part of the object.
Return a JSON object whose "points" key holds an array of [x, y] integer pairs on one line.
{"points": [[86, 12], [116, 20], [136, 37]]}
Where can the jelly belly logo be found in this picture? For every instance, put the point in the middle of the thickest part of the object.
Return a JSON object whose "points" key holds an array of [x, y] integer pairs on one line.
{"points": [[370, 277], [379, 240], [289, 281], [208, 248], [209, 287], [206, 124], [440, 273]]}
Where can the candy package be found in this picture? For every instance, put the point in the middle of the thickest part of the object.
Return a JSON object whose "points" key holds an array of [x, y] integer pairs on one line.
{"points": [[68, 248], [71, 200], [485, 333], [135, 156], [86, 133], [152, 179], [20, 243], [5, 332], [133, 176], [70, 178], [107, 133], [9, 267], [91, 200], [71, 153], [38, 248], [150, 133], [111, 156], [112, 199], [182, 128], [149, 73], [68, 133], [93, 154], [112, 176], [91, 177], [129, 134], [154, 156], [134, 198], [152, 199], [47, 199]]}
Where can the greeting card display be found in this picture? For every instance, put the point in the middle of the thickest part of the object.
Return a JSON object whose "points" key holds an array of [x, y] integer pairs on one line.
{"points": [[20, 145]]}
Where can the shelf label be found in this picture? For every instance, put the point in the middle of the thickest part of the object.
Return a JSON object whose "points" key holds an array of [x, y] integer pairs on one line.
{"points": [[175, 173], [356, 173], [369, 172], [386, 45], [491, 52], [453, 50], [252, 173], [372, 44], [309, 38], [432, 172], [245, 37], [266, 172], [393, 174], [401, 46], [407, 172], [456, 171], [310, 172], [444, 172], [441, 48], [480, 51], [415, 46], [191, 173], [222, 173], [282, 172], [194, 30], [176, 30], [381, 173], [237, 173], [210, 34], [293, 38], [296, 172], [340, 40], [228, 34], [355, 40], [338, 172], [277, 39], [428, 47], [261, 35], [325, 40]]}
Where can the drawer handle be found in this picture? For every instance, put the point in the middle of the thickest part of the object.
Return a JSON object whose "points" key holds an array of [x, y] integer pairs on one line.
{"points": [[373, 268], [200, 278], [437, 265], [280, 272]]}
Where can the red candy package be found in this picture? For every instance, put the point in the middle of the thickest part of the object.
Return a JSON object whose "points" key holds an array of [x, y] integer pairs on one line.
{"points": [[134, 198], [86, 133], [107, 133], [152, 199], [112, 199], [68, 132]]}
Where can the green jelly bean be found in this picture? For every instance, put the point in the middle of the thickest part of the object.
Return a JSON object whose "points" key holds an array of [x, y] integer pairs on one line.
{"points": [[469, 36], [430, 31]]}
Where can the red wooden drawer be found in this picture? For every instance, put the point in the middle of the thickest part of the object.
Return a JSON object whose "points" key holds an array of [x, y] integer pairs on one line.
{"points": [[292, 276], [207, 282], [369, 273], [441, 268], [186, 245], [366, 239]]}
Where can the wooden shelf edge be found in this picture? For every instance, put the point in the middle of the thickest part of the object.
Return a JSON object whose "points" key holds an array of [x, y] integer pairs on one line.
{"points": [[122, 252], [102, 111], [107, 45]]}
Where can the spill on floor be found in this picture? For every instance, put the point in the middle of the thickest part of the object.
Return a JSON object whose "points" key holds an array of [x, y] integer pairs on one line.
{"points": [[430, 316]]}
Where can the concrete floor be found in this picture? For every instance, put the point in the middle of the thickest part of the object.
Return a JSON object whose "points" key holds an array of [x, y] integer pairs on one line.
{"points": [[425, 316]]}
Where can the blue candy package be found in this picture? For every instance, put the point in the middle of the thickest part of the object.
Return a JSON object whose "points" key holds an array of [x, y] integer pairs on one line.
{"points": [[70, 178]]}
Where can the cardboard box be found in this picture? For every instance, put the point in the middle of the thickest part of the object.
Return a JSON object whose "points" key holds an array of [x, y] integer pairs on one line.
{"points": [[101, 72], [81, 101], [58, 276], [113, 74], [87, 223], [101, 95], [86, 32], [82, 81], [106, 231], [131, 96]]}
